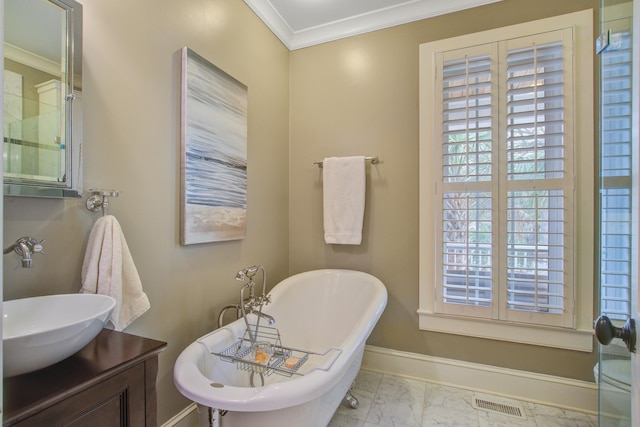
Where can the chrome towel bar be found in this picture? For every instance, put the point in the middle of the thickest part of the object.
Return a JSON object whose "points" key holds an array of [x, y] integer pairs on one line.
{"points": [[374, 160]]}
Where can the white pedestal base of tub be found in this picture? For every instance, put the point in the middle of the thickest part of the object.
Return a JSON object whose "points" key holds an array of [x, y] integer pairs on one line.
{"points": [[315, 311]]}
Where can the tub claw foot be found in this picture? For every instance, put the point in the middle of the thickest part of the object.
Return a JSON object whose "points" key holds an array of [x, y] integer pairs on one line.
{"points": [[351, 400]]}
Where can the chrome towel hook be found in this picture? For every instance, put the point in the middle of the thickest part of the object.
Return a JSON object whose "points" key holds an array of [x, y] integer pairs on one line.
{"points": [[99, 199]]}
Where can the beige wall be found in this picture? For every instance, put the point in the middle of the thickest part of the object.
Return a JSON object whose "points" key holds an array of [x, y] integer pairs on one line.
{"points": [[131, 116], [360, 96]]}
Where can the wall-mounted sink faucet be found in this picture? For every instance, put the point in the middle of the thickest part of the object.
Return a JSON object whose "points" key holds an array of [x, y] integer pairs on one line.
{"points": [[25, 247]]}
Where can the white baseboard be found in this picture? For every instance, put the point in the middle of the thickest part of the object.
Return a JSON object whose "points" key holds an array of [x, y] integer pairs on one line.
{"points": [[530, 386], [188, 417]]}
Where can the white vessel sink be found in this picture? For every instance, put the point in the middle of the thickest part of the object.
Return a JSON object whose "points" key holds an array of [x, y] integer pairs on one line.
{"points": [[41, 331]]}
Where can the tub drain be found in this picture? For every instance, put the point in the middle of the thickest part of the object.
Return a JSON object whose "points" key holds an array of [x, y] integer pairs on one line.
{"points": [[217, 385]]}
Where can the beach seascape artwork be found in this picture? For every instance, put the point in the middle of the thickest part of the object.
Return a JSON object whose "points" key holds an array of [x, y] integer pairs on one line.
{"points": [[214, 153]]}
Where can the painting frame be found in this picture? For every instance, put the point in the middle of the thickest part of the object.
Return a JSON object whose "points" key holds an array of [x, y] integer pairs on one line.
{"points": [[213, 150]]}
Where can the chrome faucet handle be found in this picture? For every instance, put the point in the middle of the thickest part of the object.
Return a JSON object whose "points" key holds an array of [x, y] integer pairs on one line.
{"points": [[37, 247], [265, 299], [33, 246]]}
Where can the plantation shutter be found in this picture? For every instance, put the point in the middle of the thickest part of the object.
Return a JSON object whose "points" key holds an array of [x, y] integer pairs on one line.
{"points": [[506, 189], [539, 179], [615, 203], [466, 80]]}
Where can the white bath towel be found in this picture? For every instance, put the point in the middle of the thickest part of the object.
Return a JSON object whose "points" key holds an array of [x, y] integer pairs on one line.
{"points": [[108, 269], [343, 198]]}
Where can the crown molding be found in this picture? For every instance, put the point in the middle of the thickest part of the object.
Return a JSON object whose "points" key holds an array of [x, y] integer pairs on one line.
{"points": [[410, 11], [32, 60]]}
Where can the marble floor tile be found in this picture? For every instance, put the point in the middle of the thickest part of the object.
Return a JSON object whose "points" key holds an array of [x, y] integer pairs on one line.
{"points": [[393, 401], [448, 397], [368, 381], [391, 411], [340, 420], [440, 416], [552, 417], [365, 399], [400, 387], [491, 419], [448, 406]]}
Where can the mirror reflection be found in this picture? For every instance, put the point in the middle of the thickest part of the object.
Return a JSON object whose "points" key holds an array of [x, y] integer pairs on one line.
{"points": [[42, 94]]}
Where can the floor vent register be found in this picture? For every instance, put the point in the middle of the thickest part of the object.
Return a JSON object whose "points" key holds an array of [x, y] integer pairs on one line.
{"points": [[499, 405]]}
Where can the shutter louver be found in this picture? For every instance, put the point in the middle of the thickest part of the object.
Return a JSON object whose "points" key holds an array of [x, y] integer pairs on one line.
{"points": [[535, 153], [466, 249], [467, 167], [535, 112], [615, 205], [467, 119]]}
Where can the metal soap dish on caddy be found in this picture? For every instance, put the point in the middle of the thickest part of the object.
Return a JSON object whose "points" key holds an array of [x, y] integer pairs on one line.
{"points": [[260, 349]]}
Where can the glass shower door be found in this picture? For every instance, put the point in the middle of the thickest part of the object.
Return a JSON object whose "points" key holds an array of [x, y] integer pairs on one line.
{"points": [[613, 371]]}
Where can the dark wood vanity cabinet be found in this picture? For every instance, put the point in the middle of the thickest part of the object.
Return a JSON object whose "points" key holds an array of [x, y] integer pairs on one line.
{"points": [[111, 382]]}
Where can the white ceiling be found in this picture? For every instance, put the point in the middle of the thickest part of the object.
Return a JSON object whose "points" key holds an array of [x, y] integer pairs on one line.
{"points": [[302, 23], [34, 26]]}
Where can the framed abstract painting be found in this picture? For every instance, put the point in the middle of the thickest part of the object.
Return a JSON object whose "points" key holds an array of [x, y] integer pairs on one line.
{"points": [[213, 142]]}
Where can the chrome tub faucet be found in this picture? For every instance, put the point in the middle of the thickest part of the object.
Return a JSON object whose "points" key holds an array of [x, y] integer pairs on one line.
{"points": [[254, 303]]}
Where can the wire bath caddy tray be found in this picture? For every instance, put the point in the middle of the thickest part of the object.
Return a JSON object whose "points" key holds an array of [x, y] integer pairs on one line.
{"points": [[276, 358]]}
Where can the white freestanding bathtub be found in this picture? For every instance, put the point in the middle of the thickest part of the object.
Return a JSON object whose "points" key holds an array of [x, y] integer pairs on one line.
{"points": [[328, 313]]}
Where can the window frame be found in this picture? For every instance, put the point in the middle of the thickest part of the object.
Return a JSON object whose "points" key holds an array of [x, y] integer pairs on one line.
{"points": [[579, 334]]}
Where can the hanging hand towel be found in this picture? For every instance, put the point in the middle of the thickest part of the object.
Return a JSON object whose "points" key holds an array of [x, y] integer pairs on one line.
{"points": [[343, 198], [108, 269]]}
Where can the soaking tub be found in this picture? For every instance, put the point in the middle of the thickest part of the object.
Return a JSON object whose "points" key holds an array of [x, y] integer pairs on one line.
{"points": [[324, 317]]}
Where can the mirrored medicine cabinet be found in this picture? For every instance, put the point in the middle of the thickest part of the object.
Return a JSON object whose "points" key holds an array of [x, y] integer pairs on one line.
{"points": [[42, 135]]}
